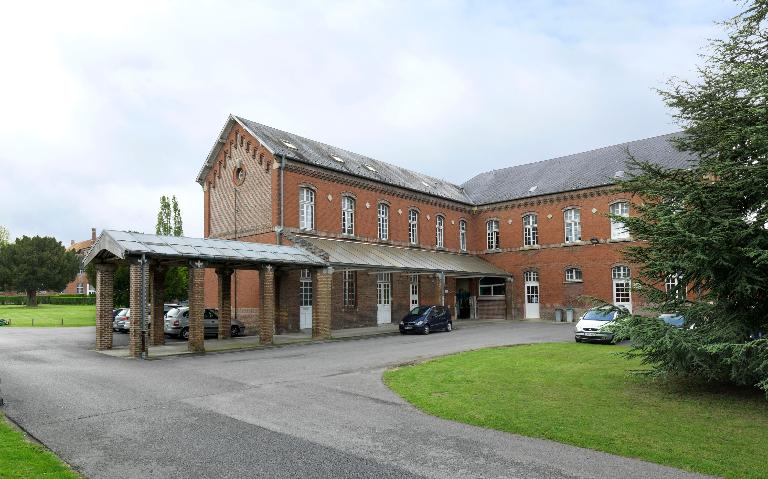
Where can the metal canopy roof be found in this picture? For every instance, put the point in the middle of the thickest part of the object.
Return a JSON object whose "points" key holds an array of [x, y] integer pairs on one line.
{"points": [[342, 253], [121, 244]]}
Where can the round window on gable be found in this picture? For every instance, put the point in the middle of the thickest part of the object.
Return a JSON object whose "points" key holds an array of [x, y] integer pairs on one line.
{"points": [[238, 176]]}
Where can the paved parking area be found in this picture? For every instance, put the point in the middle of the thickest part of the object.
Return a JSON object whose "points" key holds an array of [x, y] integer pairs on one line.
{"points": [[311, 410]]}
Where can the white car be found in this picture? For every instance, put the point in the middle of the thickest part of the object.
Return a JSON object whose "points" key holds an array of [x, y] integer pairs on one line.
{"points": [[590, 325]]}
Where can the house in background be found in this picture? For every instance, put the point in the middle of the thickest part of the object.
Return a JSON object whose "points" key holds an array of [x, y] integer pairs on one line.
{"points": [[80, 284]]}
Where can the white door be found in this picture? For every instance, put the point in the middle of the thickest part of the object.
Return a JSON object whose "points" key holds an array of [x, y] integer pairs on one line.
{"points": [[622, 287], [383, 298], [531, 295], [414, 291], [305, 300]]}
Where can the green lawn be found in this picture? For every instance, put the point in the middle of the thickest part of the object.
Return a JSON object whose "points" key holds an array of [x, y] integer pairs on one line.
{"points": [[22, 459], [584, 394], [50, 315]]}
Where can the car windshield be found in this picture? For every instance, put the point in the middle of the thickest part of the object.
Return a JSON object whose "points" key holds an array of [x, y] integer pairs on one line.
{"points": [[123, 312], [173, 313], [600, 315], [419, 310]]}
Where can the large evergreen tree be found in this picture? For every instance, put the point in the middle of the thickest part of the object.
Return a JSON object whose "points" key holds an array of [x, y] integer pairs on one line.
{"points": [[706, 227], [36, 264]]}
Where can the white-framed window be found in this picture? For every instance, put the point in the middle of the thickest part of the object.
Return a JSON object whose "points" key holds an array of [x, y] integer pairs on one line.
{"points": [[622, 286], [618, 228], [383, 221], [413, 226], [672, 286], [492, 229], [349, 280], [439, 231], [573, 275], [347, 215], [572, 217], [80, 289], [306, 208], [531, 276], [530, 230], [492, 286], [305, 288], [462, 235]]}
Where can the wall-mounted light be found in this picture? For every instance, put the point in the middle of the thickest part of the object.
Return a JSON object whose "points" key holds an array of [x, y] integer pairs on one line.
{"points": [[594, 240]]}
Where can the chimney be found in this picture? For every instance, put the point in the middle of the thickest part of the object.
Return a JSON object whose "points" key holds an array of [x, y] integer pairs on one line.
{"points": [[93, 234]]}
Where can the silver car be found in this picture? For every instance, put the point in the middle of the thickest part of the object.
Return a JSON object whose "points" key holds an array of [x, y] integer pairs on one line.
{"points": [[122, 321], [177, 323]]}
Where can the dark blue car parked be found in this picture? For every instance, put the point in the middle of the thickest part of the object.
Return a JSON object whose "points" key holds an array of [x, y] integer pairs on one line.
{"points": [[425, 319]]}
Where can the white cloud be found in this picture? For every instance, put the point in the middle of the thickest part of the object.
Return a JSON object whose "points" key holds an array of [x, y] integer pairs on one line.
{"points": [[106, 106]]}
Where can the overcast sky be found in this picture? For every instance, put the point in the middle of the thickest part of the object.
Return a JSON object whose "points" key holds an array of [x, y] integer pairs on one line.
{"points": [[105, 106]]}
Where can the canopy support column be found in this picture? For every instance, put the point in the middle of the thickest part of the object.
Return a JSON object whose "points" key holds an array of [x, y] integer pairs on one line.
{"points": [[105, 281], [441, 278], [267, 312], [196, 341], [509, 299], [157, 332], [321, 303], [224, 276], [136, 343]]}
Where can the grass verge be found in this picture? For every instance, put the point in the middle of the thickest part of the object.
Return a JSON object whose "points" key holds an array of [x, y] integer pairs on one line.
{"points": [[585, 395], [50, 315], [22, 459]]}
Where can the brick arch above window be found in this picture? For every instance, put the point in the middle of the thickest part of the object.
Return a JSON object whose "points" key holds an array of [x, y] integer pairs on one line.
{"points": [[308, 185], [620, 200], [383, 202], [414, 208], [529, 213], [347, 194], [571, 207]]}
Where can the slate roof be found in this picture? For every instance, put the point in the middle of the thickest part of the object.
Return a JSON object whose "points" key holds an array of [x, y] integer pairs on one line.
{"points": [[588, 169], [345, 254], [121, 244], [573, 172], [321, 154]]}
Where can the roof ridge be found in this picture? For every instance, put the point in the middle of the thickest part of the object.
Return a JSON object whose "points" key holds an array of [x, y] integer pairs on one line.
{"points": [[349, 151]]}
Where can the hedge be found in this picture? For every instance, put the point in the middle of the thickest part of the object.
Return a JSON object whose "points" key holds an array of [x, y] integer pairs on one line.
{"points": [[50, 299]]}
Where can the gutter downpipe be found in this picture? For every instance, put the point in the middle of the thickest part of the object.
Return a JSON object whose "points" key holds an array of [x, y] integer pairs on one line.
{"points": [[280, 227]]}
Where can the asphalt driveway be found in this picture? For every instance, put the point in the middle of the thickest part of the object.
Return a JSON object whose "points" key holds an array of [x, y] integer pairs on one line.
{"points": [[315, 410]]}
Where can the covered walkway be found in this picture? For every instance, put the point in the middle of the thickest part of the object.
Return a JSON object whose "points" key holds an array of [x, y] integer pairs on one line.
{"points": [[149, 256]]}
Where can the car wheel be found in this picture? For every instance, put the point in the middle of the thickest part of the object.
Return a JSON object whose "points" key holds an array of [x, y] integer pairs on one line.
{"points": [[578, 340], [184, 334], [402, 332], [234, 331], [426, 329], [449, 327]]}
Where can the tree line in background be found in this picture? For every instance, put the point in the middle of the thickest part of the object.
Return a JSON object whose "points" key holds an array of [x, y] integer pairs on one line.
{"points": [[705, 228], [33, 264]]}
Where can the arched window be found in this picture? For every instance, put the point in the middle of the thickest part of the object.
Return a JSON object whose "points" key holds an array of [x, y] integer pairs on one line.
{"points": [[306, 208], [674, 286], [618, 228], [573, 275], [413, 226], [572, 217], [383, 221], [492, 229], [347, 215], [462, 235], [530, 230], [439, 231]]}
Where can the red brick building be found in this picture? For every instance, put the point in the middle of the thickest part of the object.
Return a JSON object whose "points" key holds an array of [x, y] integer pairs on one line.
{"points": [[81, 285], [515, 243]]}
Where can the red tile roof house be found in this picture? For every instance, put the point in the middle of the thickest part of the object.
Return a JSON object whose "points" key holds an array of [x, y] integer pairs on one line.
{"points": [[80, 284], [518, 243]]}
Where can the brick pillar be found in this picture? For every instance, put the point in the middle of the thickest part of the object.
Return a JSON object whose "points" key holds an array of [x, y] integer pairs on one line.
{"points": [[224, 276], [196, 342], [105, 281], [156, 333], [322, 279], [134, 295], [267, 312], [509, 295]]}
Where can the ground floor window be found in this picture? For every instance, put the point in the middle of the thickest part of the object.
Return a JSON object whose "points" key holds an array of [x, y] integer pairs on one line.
{"points": [[80, 289], [349, 279], [492, 286]]}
